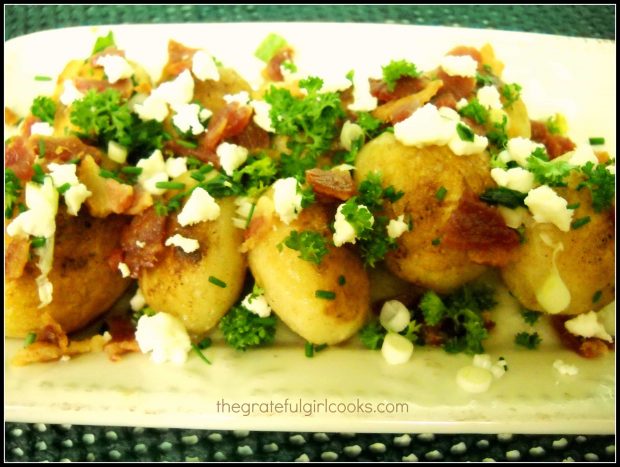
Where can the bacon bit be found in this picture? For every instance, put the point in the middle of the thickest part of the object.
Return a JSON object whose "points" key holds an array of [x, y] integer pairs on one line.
{"points": [[587, 347], [433, 335], [64, 149], [200, 153], [179, 59], [108, 195], [480, 230], [444, 99], [16, 257], [228, 122], [404, 87], [10, 117], [272, 71], [149, 228], [116, 349], [458, 86], [123, 86], [27, 125], [19, 157], [259, 225], [331, 183], [40, 352], [399, 109], [463, 50], [252, 137], [556, 144]]}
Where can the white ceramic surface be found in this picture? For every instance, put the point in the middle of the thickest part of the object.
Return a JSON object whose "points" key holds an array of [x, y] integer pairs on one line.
{"points": [[558, 74]]}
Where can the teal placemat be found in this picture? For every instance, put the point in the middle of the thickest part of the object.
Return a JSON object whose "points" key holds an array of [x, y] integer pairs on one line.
{"points": [[40, 442]]}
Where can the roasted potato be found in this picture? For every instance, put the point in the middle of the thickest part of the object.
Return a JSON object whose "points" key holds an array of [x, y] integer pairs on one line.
{"points": [[419, 173], [85, 285], [179, 283], [290, 283], [584, 260]]}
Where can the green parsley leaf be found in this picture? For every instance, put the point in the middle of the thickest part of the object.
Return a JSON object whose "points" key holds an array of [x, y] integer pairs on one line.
{"points": [[376, 243], [312, 246], [269, 47], [476, 111], [464, 132], [368, 123], [243, 329], [550, 173], [433, 308], [255, 176], [498, 135], [530, 316], [103, 42], [358, 216], [511, 93], [372, 335], [12, 192], [601, 183], [44, 108], [504, 197], [529, 341], [397, 69]]}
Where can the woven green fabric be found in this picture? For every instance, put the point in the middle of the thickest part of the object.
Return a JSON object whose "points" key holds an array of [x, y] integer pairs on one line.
{"points": [[574, 20], [39, 442]]}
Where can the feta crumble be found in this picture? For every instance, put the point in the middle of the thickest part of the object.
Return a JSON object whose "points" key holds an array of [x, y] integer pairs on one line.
{"points": [[199, 207], [515, 178], [488, 96], [548, 207], [257, 304], [138, 301], [69, 93], [124, 269], [286, 199], [519, 149], [455, 65], [42, 128], [587, 325], [261, 115], [204, 67], [164, 336], [188, 245], [115, 67], [565, 368], [153, 171], [116, 152], [176, 166], [397, 227], [187, 119], [350, 133], [231, 156], [363, 100]]}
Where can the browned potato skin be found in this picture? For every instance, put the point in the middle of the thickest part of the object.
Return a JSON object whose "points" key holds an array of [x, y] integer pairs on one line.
{"points": [[85, 285], [179, 282], [419, 173], [211, 93], [290, 283], [585, 265]]}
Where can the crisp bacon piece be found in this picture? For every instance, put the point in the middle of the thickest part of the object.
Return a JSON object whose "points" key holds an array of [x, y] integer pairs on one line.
{"points": [[108, 195], [588, 347], [399, 109], [179, 59], [16, 257], [228, 122], [200, 153], [19, 157], [252, 137], [556, 145], [150, 229], [331, 183], [63, 149], [272, 71], [457, 86], [462, 50], [480, 230], [404, 87], [123, 338]]}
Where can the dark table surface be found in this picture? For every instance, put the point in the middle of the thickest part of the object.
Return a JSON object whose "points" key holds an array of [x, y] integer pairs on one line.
{"points": [[41, 442]]}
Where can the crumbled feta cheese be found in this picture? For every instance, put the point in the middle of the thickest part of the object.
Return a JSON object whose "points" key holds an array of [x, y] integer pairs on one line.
{"points": [[257, 305], [548, 207], [140, 244], [397, 227], [587, 325], [188, 245], [343, 167], [462, 102], [204, 67], [124, 269], [115, 67], [261, 115], [565, 368], [116, 152], [334, 82], [153, 171], [187, 118], [519, 149], [394, 316], [474, 379], [607, 317], [77, 193], [199, 207], [286, 199], [488, 96], [344, 232], [425, 127], [244, 210], [138, 301], [75, 196], [42, 128], [39, 220], [363, 100], [152, 108], [583, 154], [460, 147], [231, 156], [396, 349], [350, 133], [241, 98], [497, 371], [70, 93], [516, 178], [455, 65], [165, 336], [177, 91], [513, 217], [45, 289], [176, 166], [63, 173]]}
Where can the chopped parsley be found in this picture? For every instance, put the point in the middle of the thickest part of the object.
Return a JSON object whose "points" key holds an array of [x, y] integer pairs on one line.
{"points": [[529, 341], [372, 193], [397, 69], [44, 108], [530, 316], [476, 111], [243, 329], [342, 280], [372, 335], [485, 79], [511, 93], [269, 47], [370, 124], [498, 135], [597, 296], [440, 195], [552, 173], [12, 192], [601, 183], [358, 216], [504, 197], [103, 42], [464, 132], [312, 246]]}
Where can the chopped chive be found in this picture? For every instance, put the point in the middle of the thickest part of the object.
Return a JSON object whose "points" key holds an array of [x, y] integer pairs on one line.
{"points": [[62, 189], [577, 223], [37, 242], [436, 241], [216, 281], [464, 132], [187, 144], [205, 343], [597, 296], [132, 170], [325, 294], [200, 354], [193, 163], [170, 185], [342, 280], [75, 160], [39, 175], [42, 78], [309, 350], [106, 173], [199, 177], [247, 222], [30, 338], [318, 348], [205, 169], [597, 140], [441, 193], [573, 206], [41, 148]]}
